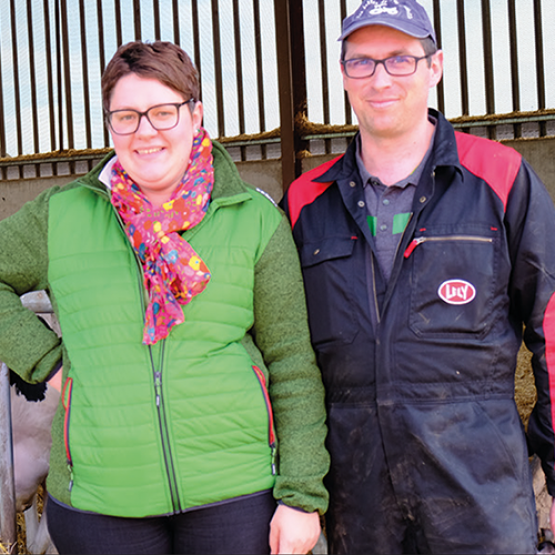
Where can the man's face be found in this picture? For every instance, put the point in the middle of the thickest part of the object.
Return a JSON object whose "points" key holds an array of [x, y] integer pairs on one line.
{"points": [[388, 106]]}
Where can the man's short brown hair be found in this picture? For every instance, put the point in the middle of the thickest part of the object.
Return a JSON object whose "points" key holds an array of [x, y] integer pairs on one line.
{"points": [[160, 60]]}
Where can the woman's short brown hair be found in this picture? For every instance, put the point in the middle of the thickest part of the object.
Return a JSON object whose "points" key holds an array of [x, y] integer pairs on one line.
{"points": [[160, 60]]}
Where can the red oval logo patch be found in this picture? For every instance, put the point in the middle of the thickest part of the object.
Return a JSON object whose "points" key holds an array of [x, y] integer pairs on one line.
{"points": [[456, 291]]}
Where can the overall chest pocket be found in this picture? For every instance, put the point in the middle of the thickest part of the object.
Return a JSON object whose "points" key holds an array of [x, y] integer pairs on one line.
{"points": [[454, 277], [328, 270]]}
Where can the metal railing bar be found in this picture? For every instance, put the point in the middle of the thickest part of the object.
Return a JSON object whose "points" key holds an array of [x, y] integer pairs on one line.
{"points": [[239, 70], [119, 32], [137, 19], [102, 57], [324, 68], [510, 121], [540, 68], [259, 72], [456, 124], [196, 40], [488, 62], [67, 73], [49, 74], [325, 136], [15, 72], [254, 142], [59, 80], [463, 65], [217, 44], [85, 74], [437, 26], [156, 10], [175, 19], [487, 121], [347, 104], [515, 78], [33, 77], [3, 145]]}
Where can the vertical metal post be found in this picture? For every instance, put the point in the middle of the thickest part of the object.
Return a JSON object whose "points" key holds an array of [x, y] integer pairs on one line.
{"points": [[85, 75], [156, 10], [16, 84], [437, 28], [324, 66], [102, 57], [64, 28], [515, 79], [239, 72], [137, 19], [462, 58], [32, 70], [540, 67], [259, 72], [348, 111], [3, 145], [292, 84], [49, 75], [217, 42], [8, 526], [488, 64]]}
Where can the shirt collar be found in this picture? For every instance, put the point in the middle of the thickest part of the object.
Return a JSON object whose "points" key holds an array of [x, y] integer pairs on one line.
{"points": [[412, 179], [105, 175]]}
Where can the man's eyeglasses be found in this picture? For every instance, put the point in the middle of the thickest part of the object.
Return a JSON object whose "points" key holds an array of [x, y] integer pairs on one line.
{"points": [[162, 117], [398, 66]]}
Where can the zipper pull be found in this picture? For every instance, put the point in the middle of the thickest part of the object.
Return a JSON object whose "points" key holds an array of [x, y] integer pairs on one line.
{"points": [[412, 245], [70, 468], [273, 447]]}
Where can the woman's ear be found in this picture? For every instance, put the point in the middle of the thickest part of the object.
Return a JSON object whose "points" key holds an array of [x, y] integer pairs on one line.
{"points": [[197, 115]]}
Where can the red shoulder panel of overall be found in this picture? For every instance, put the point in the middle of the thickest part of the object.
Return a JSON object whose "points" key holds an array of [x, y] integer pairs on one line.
{"points": [[305, 190], [496, 164], [549, 331]]}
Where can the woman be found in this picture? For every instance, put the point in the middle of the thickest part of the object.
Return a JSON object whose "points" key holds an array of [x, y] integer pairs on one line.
{"points": [[185, 348]]}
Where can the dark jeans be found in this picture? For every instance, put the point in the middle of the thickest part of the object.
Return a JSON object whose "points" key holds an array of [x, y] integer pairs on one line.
{"points": [[240, 526]]}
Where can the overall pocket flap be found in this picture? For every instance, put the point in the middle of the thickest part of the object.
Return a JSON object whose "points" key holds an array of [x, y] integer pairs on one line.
{"points": [[326, 249]]}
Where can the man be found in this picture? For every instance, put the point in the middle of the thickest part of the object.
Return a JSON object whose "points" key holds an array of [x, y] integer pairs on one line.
{"points": [[424, 254]]}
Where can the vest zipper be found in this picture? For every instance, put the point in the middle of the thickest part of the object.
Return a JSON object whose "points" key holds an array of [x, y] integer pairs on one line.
{"points": [[157, 375], [419, 240], [163, 424], [271, 433], [66, 403]]}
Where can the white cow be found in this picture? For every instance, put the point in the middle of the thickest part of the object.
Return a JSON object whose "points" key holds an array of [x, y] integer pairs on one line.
{"points": [[32, 409]]}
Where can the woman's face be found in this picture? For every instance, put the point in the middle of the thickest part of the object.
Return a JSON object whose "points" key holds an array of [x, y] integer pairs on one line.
{"points": [[155, 160]]}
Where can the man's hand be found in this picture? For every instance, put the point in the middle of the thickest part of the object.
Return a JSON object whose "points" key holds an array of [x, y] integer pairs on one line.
{"points": [[293, 531]]}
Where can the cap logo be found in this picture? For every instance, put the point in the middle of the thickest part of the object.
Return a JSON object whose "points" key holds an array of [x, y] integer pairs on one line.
{"points": [[381, 7], [456, 291]]}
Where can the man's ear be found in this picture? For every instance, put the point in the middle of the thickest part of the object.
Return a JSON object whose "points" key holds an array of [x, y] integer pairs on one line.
{"points": [[436, 68]]}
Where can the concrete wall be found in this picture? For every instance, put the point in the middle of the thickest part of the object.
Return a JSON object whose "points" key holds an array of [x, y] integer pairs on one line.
{"points": [[15, 193], [267, 174]]}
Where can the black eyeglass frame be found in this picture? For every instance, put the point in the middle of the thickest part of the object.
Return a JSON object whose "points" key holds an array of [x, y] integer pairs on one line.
{"points": [[178, 105], [383, 62]]}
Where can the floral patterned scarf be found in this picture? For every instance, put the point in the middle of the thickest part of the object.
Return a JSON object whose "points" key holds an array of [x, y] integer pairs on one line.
{"points": [[173, 271]]}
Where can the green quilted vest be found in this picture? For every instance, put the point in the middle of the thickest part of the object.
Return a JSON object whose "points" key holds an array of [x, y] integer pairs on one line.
{"points": [[149, 431]]}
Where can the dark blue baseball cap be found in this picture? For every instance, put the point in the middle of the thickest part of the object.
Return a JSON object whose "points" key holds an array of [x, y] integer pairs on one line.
{"points": [[407, 16]]}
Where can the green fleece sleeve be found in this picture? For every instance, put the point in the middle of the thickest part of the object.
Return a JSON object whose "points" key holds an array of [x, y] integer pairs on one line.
{"points": [[296, 390], [27, 346]]}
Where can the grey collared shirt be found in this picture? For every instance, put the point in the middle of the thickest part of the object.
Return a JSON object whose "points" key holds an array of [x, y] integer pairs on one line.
{"points": [[388, 209]]}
